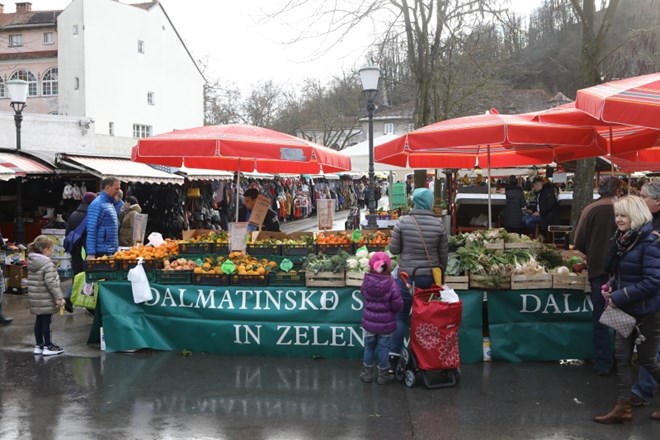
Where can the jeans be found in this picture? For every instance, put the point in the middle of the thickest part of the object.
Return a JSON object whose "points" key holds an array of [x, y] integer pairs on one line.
{"points": [[602, 340], [2, 291], [373, 342], [645, 385], [530, 222], [403, 317], [646, 353], [42, 330]]}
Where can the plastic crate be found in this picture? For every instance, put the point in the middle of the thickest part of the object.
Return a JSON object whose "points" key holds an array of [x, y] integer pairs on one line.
{"points": [[196, 248], [298, 249], [130, 264], [263, 249], [122, 275], [221, 248], [333, 249], [101, 275], [99, 265], [286, 278], [210, 279], [174, 276], [248, 280]]}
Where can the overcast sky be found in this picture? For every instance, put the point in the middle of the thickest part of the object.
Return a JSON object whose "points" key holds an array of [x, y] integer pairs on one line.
{"points": [[244, 52]]}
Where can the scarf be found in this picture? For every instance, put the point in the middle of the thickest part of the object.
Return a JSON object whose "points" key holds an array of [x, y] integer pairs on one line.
{"points": [[620, 243]]}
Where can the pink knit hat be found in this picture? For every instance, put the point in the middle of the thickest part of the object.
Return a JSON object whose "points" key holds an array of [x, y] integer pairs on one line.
{"points": [[380, 262]]}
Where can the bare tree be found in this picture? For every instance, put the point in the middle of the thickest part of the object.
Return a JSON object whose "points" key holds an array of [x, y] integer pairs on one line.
{"points": [[593, 51], [263, 104], [221, 104]]}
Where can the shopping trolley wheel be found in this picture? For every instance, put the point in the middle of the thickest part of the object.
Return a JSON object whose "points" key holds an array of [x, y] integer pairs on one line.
{"points": [[405, 357], [410, 378]]}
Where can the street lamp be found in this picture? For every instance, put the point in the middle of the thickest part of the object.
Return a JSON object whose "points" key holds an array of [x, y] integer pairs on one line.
{"points": [[369, 78], [18, 90]]}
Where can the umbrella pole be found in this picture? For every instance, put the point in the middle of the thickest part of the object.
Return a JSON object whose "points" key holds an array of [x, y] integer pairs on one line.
{"points": [[490, 209], [609, 152], [238, 188]]}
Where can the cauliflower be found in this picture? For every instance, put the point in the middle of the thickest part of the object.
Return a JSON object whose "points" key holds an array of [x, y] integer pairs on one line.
{"points": [[362, 253], [364, 264], [353, 264]]}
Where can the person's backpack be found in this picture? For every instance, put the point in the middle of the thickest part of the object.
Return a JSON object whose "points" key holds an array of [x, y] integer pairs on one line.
{"points": [[74, 236]]}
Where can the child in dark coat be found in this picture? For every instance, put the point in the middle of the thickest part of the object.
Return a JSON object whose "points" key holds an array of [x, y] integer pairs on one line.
{"points": [[382, 300]]}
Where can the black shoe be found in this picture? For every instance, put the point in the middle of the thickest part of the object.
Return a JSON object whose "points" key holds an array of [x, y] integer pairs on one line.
{"points": [[68, 305], [5, 320]]}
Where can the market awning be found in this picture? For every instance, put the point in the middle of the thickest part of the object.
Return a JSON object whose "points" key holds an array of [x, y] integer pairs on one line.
{"points": [[203, 174], [124, 169], [22, 165], [6, 173]]}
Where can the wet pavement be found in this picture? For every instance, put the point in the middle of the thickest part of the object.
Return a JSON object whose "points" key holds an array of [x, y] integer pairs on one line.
{"points": [[85, 393]]}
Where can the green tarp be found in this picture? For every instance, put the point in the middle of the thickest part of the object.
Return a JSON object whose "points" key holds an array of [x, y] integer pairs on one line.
{"points": [[269, 321]]}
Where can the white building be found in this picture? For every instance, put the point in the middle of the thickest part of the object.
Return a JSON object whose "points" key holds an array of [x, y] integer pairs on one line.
{"points": [[122, 67]]}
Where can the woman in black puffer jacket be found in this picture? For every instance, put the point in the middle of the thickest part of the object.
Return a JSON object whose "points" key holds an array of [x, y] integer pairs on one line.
{"points": [[512, 215], [634, 287]]}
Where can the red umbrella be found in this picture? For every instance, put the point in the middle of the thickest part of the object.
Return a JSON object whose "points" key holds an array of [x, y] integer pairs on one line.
{"points": [[509, 140], [503, 140], [613, 138], [632, 101], [642, 160], [239, 147]]}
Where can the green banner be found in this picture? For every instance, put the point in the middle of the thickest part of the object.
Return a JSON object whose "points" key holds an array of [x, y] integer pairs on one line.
{"points": [[470, 335], [540, 325], [237, 320]]}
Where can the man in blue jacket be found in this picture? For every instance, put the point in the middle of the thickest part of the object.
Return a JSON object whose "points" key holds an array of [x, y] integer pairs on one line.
{"points": [[102, 221]]}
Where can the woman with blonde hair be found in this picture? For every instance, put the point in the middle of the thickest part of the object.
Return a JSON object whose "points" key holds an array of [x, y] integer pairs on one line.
{"points": [[634, 287], [44, 293]]}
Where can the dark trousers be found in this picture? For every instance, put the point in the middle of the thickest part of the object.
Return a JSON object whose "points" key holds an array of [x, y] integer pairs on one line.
{"points": [[42, 330], [604, 358], [646, 353]]}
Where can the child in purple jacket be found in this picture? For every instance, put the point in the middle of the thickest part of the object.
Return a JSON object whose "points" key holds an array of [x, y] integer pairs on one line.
{"points": [[382, 300]]}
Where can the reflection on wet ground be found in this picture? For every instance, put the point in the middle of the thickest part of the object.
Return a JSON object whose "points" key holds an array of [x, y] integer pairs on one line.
{"points": [[156, 395]]}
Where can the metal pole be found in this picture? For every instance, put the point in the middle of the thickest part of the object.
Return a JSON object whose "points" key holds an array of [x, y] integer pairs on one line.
{"points": [[490, 208], [19, 235], [371, 218]]}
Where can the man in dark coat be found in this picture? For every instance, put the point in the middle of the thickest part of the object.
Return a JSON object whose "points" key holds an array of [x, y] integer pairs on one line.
{"points": [[271, 222], [512, 215], [595, 227], [4, 320]]}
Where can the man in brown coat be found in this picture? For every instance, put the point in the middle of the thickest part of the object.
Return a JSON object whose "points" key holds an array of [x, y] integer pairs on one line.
{"points": [[592, 237]]}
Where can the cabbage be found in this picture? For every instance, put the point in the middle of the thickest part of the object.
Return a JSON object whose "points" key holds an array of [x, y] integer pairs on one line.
{"points": [[563, 270]]}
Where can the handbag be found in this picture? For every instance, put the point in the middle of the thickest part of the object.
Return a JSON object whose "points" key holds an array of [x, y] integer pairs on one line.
{"points": [[619, 320]]}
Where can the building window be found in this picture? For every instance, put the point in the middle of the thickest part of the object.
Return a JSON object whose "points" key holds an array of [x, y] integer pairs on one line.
{"points": [[15, 40], [49, 82], [75, 29], [388, 128], [141, 131], [76, 83], [411, 127], [140, 46], [2, 89], [150, 98], [28, 76], [111, 128], [48, 38]]}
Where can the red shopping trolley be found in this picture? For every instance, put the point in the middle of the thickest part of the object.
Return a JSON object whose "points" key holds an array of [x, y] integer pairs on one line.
{"points": [[433, 351]]}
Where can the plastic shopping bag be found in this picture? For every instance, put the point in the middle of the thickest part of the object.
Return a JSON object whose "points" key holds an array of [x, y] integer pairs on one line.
{"points": [[84, 294], [139, 283]]}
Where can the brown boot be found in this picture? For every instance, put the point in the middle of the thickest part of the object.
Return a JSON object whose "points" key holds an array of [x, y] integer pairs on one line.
{"points": [[621, 413], [655, 415]]}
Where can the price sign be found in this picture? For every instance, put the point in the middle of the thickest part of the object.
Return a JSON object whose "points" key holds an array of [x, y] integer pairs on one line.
{"points": [[139, 228], [325, 212], [286, 265], [238, 236], [357, 235], [228, 267], [261, 207]]}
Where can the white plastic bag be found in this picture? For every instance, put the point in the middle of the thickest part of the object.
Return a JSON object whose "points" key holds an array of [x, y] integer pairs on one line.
{"points": [[155, 239], [139, 283], [448, 295]]}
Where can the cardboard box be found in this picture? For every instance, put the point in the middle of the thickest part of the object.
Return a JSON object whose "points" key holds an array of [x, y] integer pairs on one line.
{"points": [[15, 274], [193, 233]]}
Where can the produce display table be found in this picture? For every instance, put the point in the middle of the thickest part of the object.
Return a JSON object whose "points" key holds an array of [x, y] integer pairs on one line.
{"points": [[325, 322]]}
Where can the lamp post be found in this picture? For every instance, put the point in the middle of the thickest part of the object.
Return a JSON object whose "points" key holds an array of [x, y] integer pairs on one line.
{"points": [[369, 78], [18, 90]]}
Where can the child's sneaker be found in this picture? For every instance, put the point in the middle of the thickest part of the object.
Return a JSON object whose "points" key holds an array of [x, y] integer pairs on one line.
{"points": [[366, 374], [38, 349], [52, 350]]}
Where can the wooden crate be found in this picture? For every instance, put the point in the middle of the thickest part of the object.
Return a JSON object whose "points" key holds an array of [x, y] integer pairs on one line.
{"points": [[296, 278], [539, 281], [490, 283], [577, 282], [354, 278], [457, 282], [325, 279], [497, 245]]}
